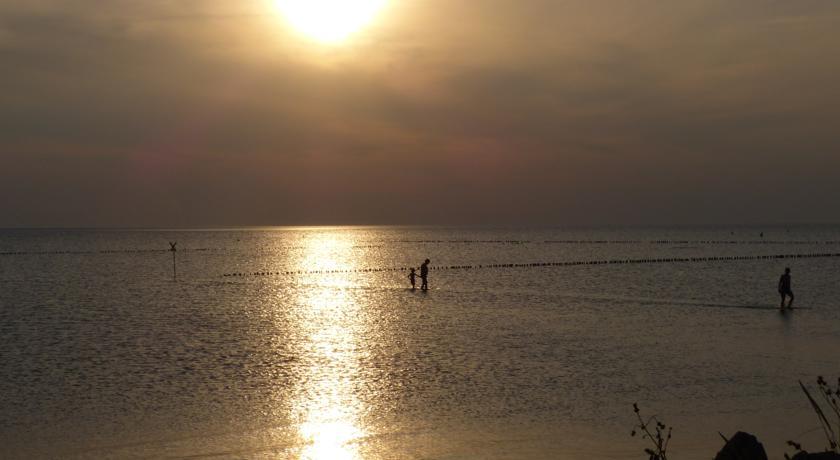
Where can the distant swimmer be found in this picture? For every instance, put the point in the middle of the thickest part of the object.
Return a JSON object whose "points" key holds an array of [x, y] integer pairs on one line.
{"points": [[424, 275], [784, 288], [413, 278]]}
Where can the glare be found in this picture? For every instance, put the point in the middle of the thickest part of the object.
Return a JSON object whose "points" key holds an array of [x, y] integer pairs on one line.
{"points": [[329, 21], [330, 440], [326, 402], [327, 251]]}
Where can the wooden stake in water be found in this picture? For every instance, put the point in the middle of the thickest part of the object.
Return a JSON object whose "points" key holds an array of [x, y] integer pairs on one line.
{"points": [[173, 250]]}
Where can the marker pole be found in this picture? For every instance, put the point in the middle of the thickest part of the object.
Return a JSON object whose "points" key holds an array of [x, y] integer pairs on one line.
{"points": [[173, 250]]}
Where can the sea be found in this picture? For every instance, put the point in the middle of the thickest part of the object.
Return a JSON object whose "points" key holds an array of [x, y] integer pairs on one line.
{"points": [[309, 343]]}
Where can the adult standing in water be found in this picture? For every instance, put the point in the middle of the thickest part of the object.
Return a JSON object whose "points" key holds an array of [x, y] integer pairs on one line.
{"points": [[784, 288], [424, 276]]}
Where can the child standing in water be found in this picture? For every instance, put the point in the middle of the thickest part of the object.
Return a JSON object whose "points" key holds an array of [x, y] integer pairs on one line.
{"points": [[413, 278]]}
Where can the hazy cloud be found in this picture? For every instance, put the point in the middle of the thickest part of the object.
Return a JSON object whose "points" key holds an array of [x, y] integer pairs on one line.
{"points": [[566, 112]]}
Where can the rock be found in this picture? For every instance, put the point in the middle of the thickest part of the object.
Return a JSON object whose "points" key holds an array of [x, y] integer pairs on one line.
{"points": [[816, 456], [742, 446]]}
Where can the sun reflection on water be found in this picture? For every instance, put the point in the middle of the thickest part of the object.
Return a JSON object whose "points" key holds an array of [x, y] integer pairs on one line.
{"points": [[326, 251], [330, 440], [326, 404]]}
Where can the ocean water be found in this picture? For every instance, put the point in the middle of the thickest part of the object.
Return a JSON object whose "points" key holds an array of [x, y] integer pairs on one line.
{"points": [[308, 343]]}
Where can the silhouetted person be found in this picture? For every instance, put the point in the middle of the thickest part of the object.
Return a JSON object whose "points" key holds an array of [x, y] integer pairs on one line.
{"points": [[784, 288], [413, 278], [424, 275]]}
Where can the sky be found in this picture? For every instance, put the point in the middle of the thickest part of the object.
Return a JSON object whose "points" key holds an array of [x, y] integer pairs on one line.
{"points": [[194, 113]]}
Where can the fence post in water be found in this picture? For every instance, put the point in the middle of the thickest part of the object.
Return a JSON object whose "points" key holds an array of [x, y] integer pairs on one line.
{"points": [[173, 250]]}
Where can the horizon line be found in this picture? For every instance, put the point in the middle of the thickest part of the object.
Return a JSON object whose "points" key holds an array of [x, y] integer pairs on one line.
{"points": [[437, 225]]}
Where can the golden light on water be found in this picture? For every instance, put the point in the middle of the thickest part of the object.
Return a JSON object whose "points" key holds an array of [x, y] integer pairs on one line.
{"points": [[329, 21], [326, 405], [326, 251], [330, 440]]}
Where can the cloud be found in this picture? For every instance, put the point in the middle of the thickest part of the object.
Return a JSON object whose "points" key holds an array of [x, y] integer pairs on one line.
{"points": [[493, 111]]}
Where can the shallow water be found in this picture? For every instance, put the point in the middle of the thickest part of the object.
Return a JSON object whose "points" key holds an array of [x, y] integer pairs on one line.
{"points": [[104, 356]]}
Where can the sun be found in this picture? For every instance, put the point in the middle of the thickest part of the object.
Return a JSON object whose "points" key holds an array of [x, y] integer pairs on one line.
{"points": [[329, 21]]}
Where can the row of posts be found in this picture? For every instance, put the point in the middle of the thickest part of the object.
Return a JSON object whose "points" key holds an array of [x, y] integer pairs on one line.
{"points": [[542, 264]]}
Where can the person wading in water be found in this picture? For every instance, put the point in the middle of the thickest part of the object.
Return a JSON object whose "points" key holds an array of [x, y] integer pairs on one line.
{"points": [[424, 276], [412, 277], [784, 288]]}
